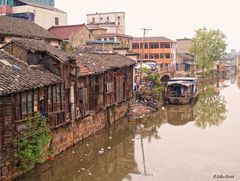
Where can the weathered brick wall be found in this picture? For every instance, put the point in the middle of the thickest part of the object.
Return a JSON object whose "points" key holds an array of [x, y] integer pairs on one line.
{"points": [[68, 135], [6, 167], [16, 51], [71, 134]]}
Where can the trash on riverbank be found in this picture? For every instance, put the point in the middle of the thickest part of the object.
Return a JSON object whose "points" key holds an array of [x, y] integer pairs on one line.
{"points": [[139, 110]]}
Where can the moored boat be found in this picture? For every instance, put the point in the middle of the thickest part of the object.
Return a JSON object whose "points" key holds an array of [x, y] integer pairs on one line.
{"points": [[181, 90]]}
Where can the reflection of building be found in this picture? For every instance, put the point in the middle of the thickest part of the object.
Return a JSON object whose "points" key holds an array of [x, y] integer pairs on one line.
{"points": [[160, 49], [114, 165], [42, 12]]}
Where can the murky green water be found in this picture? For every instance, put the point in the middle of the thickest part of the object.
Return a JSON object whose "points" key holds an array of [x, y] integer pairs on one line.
{"points": [[197, 142]]}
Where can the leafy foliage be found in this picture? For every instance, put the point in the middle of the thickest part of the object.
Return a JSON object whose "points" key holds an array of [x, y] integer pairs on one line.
{"points": [[31, 146], [155, 79], [66, 46], [208, 46]]}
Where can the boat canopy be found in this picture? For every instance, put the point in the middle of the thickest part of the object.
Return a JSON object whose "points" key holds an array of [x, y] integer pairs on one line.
{"points": [[181, 83], [192, 79]]}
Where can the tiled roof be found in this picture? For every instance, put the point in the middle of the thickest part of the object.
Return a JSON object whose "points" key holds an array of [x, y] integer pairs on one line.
{"points": [[65, 32], [158, 39], [17, 76], [42, 46], [99, 62], [23, 28], [185, 55]]}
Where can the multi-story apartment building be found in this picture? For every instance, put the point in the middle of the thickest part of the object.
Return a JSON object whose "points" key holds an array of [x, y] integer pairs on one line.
{"points": [[37, 11], [160, 49], [114, 22], [110, 27]]}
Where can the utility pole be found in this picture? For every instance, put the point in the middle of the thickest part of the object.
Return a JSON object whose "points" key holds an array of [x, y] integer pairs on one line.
{"points": [[145, 30]]}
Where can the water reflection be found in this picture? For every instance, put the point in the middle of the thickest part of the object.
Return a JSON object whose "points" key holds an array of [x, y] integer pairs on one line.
{"points": [[210, 109], [82, 163], [180, 115], [148, 127], [119, 160]]}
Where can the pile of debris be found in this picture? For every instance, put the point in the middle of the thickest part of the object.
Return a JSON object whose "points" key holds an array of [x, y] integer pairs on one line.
{"points": [[144, 105]]}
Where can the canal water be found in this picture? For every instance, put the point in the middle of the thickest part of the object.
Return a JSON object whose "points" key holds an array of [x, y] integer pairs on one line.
{"points": [[197, 142]]}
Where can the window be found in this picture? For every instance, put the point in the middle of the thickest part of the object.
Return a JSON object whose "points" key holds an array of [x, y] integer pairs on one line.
{"points": [[1, 39], [24, 103], [30, 103], [35, 101], [162, 55], [165, 55], [145, 45], [154, 45], [146, 56], [119, 17], [153, 56], [49, 95], [101, 18], [62, 92], [54, 94], [93, 20], [58, 94], [56, 21], [82, 95], [135, 45], [110, 87], [112, 39], [165, 45], [168, 55], [107, 18]]}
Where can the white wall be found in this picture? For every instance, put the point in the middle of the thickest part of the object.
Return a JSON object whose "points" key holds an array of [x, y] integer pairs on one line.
{"points": [[113, 17], [43, 17]]}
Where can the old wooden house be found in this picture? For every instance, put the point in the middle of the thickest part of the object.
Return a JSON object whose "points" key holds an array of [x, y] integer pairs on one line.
{"points": [[79, 93], [38, 52], [109, 84], [23, 93]]}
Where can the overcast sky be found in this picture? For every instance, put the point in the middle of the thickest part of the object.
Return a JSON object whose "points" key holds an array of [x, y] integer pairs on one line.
{"points": [[171, 18]]}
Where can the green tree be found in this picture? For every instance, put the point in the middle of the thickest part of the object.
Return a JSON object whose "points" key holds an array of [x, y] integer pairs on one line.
{"points": [[208, 46]]}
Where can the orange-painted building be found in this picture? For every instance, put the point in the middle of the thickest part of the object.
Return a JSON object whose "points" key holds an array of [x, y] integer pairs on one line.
{"points": [[160, 49]]}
